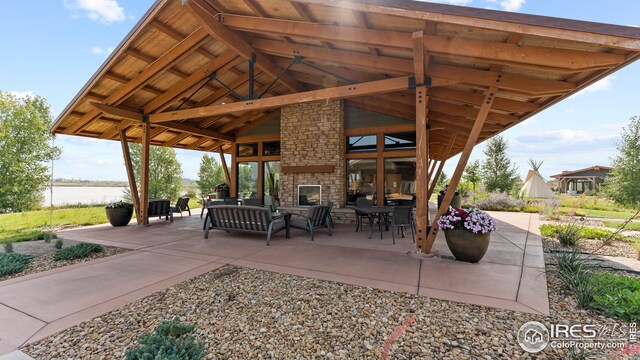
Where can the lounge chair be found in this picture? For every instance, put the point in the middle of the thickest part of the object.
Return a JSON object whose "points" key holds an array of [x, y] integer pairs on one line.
{"points": [[160, 208], [182, 205], [318, 217]]}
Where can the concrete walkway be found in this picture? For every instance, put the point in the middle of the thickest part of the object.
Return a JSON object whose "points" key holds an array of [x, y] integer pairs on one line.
{"points": [[511, 276]]}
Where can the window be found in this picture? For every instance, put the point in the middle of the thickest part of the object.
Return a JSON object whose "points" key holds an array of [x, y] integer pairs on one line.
{"points": [[272, 179], [271, 148], [361, 179], [361, 143], [247, 180], [400, 141], [400, 178], [250, 149]]}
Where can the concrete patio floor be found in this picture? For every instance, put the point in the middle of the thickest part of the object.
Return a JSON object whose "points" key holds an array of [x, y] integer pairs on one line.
{"points": [[511, 276]]}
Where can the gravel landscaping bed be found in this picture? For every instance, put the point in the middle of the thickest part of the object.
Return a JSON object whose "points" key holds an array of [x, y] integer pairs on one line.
{"points": [[616, 248], [242, 313], [43, 256]]}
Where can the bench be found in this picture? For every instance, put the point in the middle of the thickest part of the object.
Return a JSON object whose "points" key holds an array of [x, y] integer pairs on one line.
{"points": [[254, 219], [160, 208]]}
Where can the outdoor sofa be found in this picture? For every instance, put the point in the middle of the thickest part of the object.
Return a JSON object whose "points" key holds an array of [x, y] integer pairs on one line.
{"points": [[254, 219]]}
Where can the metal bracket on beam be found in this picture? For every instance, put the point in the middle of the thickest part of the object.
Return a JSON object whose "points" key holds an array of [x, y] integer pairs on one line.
{"points": [[295, 61], [425, 82], [145, 119]]}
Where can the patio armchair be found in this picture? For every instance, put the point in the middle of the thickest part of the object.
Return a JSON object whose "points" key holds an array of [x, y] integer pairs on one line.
{"points": [[271, 202], [401, 218], [182, 205], [361, 202], [318, 217], [160, 208]]}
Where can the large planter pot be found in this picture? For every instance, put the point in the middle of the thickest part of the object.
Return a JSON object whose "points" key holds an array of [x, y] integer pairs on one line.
{"points": [[456, 202], [222, 194], [467, 246], [119, 216]]}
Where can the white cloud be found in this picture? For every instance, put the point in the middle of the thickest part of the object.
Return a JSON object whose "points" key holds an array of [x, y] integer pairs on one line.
{"points": [[99, 50], [570, 111], [512, 5], [22, 94], [104, 11], [601, 85]]}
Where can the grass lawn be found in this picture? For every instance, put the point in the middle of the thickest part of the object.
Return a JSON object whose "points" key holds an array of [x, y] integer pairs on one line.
{"points": [[615, 224], [25, 225], [607, 214]]}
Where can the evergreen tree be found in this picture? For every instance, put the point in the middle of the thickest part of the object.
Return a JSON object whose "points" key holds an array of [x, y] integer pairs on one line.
{"points": [[623, 183], [498, 171], [25, 151], [210, 174]]}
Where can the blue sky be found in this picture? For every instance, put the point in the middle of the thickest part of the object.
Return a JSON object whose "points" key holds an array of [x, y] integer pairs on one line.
{"points": [[51, 48]]}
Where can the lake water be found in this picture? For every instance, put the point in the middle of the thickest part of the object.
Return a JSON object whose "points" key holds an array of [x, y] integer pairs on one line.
{"points": [[82, 194]]}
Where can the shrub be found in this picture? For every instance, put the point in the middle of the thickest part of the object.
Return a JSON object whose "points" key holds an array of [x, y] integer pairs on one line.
{"points": [[8, 247], [617, 296], [58, 244], [574, 270], [171, 340], [78, 251], [13, 263], [568, 235], [532, 208], [500, 202]]}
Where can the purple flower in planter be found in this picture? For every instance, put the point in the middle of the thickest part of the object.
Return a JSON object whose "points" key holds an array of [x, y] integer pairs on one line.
{"points": [[474, 220]]}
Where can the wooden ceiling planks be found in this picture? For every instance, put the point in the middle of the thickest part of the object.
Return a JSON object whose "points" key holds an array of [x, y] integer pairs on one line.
{"points": [[534, 62]]}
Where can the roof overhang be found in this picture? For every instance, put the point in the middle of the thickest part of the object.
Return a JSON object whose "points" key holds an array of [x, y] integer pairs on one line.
{"points": [[308, 50]]}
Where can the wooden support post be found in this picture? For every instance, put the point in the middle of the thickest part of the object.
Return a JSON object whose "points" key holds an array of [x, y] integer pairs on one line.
{"points": [[432, 166], [233, 185], [462, 163], [380, 170], [260, 187], [223, 162], [432, 187], [144, 173], [130, 175], [420, 64]]}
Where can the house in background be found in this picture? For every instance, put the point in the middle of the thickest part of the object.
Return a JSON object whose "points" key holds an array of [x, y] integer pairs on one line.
{"points": [[579, 181]]}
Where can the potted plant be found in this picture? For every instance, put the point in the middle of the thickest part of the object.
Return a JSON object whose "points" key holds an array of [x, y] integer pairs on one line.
{"points": [[467, 232], [222, 191], [119, 213], [456, 202]]}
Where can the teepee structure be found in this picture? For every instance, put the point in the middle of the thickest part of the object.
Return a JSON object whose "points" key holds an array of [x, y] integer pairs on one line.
{"points": [[535, 186]]}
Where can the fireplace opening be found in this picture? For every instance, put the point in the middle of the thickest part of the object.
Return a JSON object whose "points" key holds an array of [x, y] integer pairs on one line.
{"points": [[309, 195]]}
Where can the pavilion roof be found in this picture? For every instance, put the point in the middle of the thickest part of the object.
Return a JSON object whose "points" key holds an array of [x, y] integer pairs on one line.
{"points": [[162, 71]]}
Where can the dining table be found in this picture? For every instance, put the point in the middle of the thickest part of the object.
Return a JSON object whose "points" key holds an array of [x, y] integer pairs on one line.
{"points": [[372, 211]]}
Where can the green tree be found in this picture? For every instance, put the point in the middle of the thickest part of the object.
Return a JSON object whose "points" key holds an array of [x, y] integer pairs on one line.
{"points": [[247, 183], [210, 174], [623, 183], [443, 179], [498, 171], [472, 174], [165, 172], [25, 151]]}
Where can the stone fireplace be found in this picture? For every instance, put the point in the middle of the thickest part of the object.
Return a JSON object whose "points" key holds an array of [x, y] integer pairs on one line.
{"points": [[312, 151]]}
